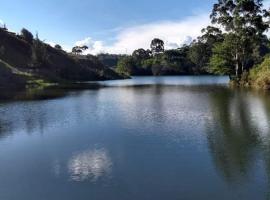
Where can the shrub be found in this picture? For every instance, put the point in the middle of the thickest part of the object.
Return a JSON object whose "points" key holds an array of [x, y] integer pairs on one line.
{"points": [[27, 35], [58, 47], [260, 75]]}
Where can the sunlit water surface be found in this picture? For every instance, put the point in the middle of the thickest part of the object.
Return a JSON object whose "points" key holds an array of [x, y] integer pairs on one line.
{"points": [[177, 138]]}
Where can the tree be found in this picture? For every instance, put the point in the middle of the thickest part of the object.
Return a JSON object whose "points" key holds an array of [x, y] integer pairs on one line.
{"points": [[245, 21], [79, 49], [201, 49], [141, 54], [83, 48], [57, 46], [211, 35], [222, 60], [76, 50], [40, 56], [126, 66], [157, 46], [200, 54], [27, 35]]}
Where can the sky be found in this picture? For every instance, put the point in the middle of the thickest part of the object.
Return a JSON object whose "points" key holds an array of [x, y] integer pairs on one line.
{"points": [[108, 26]]}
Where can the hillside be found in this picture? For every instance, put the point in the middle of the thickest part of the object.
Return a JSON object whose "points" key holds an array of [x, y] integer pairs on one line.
{"points": [[39, 61]]}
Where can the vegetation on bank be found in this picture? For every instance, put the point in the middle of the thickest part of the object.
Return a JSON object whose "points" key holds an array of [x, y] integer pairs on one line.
{"points": [[233, 45], [26, 61], [259, 76]]}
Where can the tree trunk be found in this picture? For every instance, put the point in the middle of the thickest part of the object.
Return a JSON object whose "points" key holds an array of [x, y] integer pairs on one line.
{"points": [[236, 66]]}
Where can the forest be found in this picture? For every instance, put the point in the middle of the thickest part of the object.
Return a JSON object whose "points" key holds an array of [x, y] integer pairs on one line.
{"points": [[235, 44]]}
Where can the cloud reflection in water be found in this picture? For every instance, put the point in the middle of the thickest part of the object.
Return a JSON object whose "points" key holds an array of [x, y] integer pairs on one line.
{"points": [[89, 165]]}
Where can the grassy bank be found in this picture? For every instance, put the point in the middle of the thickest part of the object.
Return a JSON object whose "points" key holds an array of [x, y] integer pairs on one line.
{"points": [[31, 63]]}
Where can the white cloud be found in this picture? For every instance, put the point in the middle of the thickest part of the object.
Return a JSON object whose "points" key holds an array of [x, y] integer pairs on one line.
{"points": [[174, 34], [95, 47], [87, 41], [90, 165]]}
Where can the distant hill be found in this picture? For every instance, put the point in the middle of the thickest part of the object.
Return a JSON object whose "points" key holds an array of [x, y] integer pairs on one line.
{"points": [[23, 63]]}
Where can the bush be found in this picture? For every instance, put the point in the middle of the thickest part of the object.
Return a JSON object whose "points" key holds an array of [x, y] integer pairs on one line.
{"points": [[27, 35], [126, 66], [58, 47], [260, 75]]}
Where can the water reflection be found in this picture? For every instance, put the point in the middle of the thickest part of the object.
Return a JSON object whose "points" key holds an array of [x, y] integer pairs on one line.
{"points": [[89, 165], [154, 144], [235, 135], [168, 80]]}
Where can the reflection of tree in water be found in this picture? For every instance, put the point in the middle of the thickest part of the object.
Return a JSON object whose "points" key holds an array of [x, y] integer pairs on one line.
{"points": [[231, 134], [36, 116], [266, 141]]}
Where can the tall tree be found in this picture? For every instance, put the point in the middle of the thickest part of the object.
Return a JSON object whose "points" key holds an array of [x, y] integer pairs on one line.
{"points": [[140, 54], [201, 49], [57, 46], [27, 35], [79, 49], [157, 46], [245, 22]]}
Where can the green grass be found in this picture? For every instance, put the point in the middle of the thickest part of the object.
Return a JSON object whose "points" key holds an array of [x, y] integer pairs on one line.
{"points": [[12, 76]]}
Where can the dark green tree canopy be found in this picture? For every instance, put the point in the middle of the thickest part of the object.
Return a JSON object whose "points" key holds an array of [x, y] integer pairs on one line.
{"points": [[241, 16], [141, 54], [79, 49], [211, 35], [57, 46], [245, 22], [27, 35], [157, 46]]}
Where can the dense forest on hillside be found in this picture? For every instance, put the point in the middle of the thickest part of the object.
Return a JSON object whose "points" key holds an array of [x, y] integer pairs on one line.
{"points": [[235, 44]]}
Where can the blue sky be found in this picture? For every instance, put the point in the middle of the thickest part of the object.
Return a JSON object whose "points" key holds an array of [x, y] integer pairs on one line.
{"points": [[108, 25]]}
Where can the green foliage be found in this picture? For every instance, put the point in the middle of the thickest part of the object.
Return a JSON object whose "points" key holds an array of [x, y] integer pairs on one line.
{"points": [[27, 35], [126, 66], [30, 64], [157, 46], [211, 35], [79, 49], [245, 23], [57, 46], [199, 54], [260, 75], [109, 60], [222, 61], [11, 77], [200, 51], [147, 64], [171, 62]]}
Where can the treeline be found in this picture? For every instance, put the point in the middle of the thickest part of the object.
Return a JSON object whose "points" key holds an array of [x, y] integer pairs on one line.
{"points": [[233, 45], [158, 62]]}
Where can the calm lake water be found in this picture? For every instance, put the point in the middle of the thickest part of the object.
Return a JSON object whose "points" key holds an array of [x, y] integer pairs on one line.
{"points": [[173, 138]]}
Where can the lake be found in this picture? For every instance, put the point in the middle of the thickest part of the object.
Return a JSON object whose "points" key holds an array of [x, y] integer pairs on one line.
{"points": [[148, 138]]}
